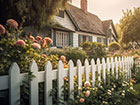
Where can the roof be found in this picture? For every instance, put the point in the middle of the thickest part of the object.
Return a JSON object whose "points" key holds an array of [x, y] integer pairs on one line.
{"points": [[85, 21]]}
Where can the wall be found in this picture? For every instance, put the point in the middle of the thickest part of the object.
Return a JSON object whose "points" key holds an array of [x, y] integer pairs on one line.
{"points": [[75, 40]]}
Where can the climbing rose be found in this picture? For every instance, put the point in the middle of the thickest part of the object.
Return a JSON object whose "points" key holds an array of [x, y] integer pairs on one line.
{"points": [[48, 40], [36, 46], [82, 100], [63, 58], [87, 93], [2, 29], [38, 37], [31, 37], [87, 84], [35, 41], [12, 23], [20, 43]]}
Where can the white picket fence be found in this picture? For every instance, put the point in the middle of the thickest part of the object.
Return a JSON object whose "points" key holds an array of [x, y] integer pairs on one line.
{"points": [[14, 80]]}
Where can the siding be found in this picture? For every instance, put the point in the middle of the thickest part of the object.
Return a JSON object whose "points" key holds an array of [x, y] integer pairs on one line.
{"points": [[66, 22]]}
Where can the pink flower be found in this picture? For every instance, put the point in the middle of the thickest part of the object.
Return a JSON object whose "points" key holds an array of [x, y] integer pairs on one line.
{"points": [[31, 37], [44, 55], [2, 29], [12, 23], [38, 37], [20, 43], [48, 40], [44, 43], [87, 93], [36, 46], [82, 100], [87, 84], [63, 58], [66, 79]]}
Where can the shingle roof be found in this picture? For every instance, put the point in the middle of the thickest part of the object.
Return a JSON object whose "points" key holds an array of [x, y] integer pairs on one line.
{"points": [[106, 25], [86, 21]]}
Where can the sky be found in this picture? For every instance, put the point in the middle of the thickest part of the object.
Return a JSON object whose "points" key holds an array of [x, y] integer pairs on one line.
{"points": [[109, 9]]}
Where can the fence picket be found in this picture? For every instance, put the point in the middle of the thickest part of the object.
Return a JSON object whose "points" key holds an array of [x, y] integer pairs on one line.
{"points": [[99, 71], [48, 83], [93, 70], [34, 84], [79, 75], [87, 69], [71, 78], [112, 66], [104, 69], [14, 85], [116, 67], [60, 79], [108, 70]]}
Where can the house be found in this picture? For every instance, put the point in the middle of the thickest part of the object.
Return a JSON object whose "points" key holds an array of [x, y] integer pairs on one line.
{"points": [[83, 26], [76, 25]]}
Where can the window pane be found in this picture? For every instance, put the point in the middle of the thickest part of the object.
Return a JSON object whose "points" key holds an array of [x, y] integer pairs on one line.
{"points": [[98, 39]]}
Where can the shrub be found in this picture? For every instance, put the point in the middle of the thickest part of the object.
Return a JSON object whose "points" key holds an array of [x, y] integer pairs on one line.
{"points": [[114, 46], [94, 50]]}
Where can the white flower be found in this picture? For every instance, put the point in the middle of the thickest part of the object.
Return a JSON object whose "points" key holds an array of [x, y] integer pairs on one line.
{"points": [[131, 88], [104, 102], [112, 89], [109, 92]]}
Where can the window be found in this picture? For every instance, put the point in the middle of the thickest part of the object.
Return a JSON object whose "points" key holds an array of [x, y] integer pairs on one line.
{"points": [[84, 38], [61, 13], [104, 41], [62, 39], [99, 40]]}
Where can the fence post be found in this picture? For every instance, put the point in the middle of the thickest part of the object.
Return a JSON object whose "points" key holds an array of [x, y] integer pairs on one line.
{"points": [[112, 66], [48, 83], [86, 64], [14, 85], [99, 71], [93, 70], [60, 79], [71, 79], [34, 84], [104, 69], [79, 74]]}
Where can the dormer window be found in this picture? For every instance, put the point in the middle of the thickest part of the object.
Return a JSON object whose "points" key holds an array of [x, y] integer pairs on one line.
{"points": [[61, 13]]}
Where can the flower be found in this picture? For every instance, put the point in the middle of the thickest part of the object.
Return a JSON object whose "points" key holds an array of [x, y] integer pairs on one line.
{"points": [[87, 93], [66, 78], [82, 100], [20, 43], [63, 58], [48, 40], [87, 84], [132, 80], [12, 23], [44, 43], [134, 75], [31, 37], [2, 29], [36, 46], [38, 37], [44, 55]]}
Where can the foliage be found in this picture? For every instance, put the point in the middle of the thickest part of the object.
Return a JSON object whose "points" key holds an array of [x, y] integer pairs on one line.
{"points": [[94, 50], [71, 53], [114, 46], [34, 12], [129, 26]]}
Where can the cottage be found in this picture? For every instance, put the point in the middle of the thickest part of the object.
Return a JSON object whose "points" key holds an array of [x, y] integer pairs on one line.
{"points": [[76, 25]]}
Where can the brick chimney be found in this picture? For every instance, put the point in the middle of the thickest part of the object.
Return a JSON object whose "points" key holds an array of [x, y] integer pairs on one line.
{"points": [[84, 5]]}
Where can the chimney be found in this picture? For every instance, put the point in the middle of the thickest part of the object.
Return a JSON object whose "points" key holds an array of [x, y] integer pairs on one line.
{"points": [[84, 5]]}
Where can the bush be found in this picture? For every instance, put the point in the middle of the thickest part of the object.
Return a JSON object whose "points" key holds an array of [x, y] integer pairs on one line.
{"points": [[114, 46], [71, 53], [94, 50]]}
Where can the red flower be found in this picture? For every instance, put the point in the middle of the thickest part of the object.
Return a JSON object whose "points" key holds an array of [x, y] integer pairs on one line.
{"points": [[38, 37], [20, 43], [31, 37], [82, 100], [36, 46], [63, 58], [48, 40], [12, 23], [2, 29]]}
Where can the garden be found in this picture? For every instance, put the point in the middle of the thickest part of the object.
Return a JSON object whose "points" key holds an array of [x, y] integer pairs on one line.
{"points": [[23, 49]]}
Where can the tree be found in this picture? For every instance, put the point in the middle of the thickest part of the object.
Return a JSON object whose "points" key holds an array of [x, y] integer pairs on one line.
{"points": [[130, 26], [32, 12]]}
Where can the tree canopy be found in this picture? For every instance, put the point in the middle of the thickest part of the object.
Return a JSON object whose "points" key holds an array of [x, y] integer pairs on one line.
{"points": [[33, 12], [129, 26]]}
